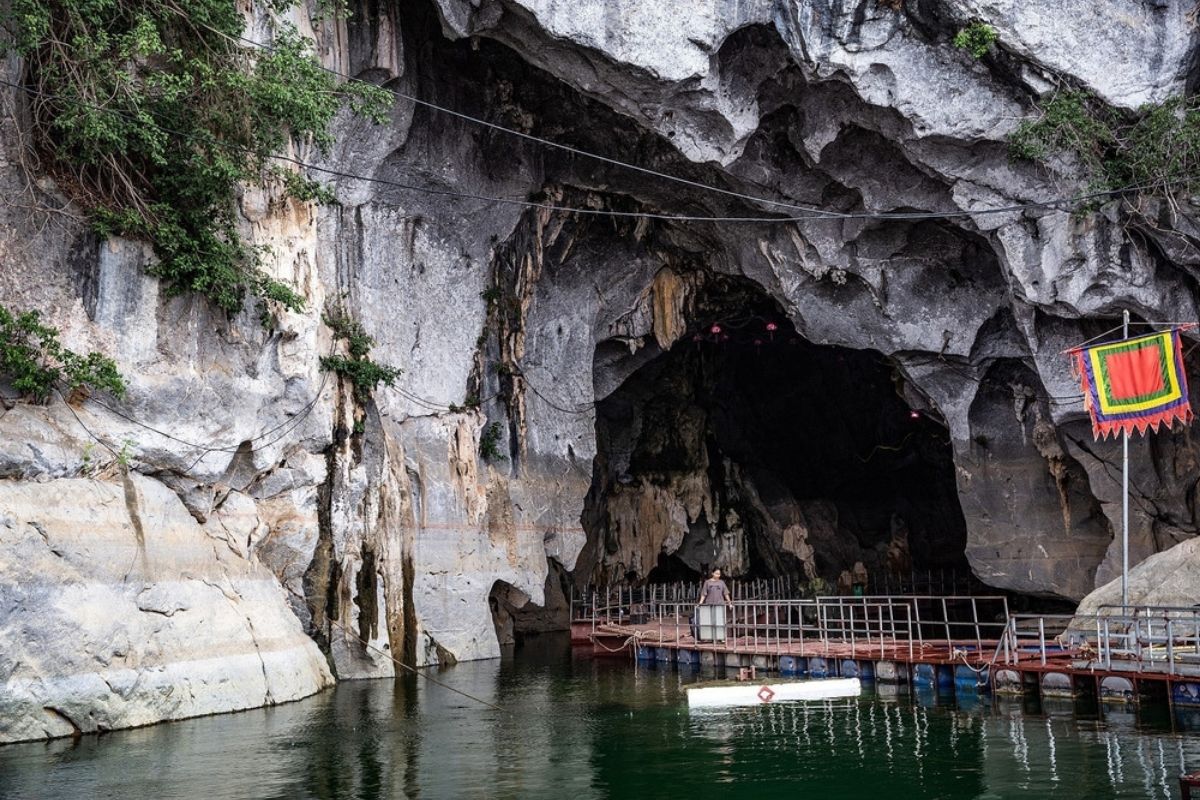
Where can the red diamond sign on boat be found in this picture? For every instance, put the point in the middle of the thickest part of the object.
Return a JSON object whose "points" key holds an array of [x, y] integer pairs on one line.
{"points": [[765, 694]]}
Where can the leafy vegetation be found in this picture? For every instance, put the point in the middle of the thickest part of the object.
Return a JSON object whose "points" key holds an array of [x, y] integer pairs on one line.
{"points": [[36, 363], [976, 38], [470, 404], [125, 454], [1156, 150], [489, 442], [154, 115], [358, 368]]}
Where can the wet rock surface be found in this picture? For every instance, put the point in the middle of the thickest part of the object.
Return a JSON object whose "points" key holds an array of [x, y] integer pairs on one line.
{"points": [[390, 532]]}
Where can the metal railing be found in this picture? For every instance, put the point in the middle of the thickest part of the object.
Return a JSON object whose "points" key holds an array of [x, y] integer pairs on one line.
{"points": [[942, 619], [1162, 640], [606, 601], [827, 625], [924, 582], [782, 626], [619, 603], [1157, 639]]}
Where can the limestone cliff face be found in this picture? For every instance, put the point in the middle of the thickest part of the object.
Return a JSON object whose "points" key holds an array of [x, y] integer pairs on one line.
{"points": [[381, 522], [121, 610]]}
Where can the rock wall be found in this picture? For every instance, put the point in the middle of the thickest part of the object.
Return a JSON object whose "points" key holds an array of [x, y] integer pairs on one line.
{"points": [[381, 520], [1169, 578], [120, 610]]}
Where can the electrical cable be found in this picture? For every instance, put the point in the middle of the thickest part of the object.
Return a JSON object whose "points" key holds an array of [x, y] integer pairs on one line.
{"points": [[585, 408], [566, 209], [528, 136], [596, 212], [960, 371], [985, 380], [819, 213], [86, 429], [281, 430]]}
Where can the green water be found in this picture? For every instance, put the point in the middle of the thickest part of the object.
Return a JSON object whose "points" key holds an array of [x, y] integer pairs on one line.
{"points": [[579, 728]]}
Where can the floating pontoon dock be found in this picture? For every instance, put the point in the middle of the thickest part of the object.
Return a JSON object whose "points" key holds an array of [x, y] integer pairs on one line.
{"points": [[969, 642]]}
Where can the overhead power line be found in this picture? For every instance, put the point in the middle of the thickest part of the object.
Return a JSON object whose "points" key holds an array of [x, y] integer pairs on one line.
{"points": [[817, 213]]}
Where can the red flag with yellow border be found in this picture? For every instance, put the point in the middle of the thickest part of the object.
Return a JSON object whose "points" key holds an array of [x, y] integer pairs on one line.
{"points": [[1134, 384]]}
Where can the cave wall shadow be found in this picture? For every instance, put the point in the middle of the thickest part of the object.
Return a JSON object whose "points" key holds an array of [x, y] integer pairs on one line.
{"points": [[747, 447]]}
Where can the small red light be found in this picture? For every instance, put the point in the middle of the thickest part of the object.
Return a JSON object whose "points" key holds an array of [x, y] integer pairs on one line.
{"points": [[772, 327], [914, 414], [715, 329], [757, 342]]}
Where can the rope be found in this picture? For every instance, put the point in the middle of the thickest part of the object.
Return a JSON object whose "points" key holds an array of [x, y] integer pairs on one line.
{"points": [[628, 641], [391, 657], [632, 636], [1093, 339]]}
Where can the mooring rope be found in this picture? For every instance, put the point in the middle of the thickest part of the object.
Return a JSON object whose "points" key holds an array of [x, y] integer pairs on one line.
{"points": [[629, 640], [391, 657], [632, 637], [989, 668]]}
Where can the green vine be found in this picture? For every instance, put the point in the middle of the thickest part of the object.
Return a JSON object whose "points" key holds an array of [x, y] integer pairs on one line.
{"points": [[154, 116], [1157, 149], [36, 363], [363, 373], [976, 38]]}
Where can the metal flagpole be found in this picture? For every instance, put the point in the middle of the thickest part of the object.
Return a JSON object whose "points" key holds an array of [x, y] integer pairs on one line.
{"points": [[1125, 502]]}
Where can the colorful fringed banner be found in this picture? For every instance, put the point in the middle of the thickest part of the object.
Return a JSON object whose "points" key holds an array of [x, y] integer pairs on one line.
{"points": [[1134, 384]]}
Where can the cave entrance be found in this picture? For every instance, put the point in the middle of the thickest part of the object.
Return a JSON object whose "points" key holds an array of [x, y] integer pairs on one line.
{"points": [[747, 447]]}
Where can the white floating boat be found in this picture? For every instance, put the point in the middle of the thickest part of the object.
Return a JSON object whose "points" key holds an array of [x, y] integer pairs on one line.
{"points": [[756, 694]]}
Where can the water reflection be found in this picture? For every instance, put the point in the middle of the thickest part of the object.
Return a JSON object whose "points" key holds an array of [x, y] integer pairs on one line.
{"points": [[581, 728]]}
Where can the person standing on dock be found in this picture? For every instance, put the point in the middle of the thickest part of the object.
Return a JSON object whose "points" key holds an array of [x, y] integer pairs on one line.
{"points": [[714, 591], [711, 626]]}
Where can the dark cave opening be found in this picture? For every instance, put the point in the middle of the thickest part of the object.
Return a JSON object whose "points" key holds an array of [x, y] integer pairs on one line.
{"points": [[747, 447]]}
